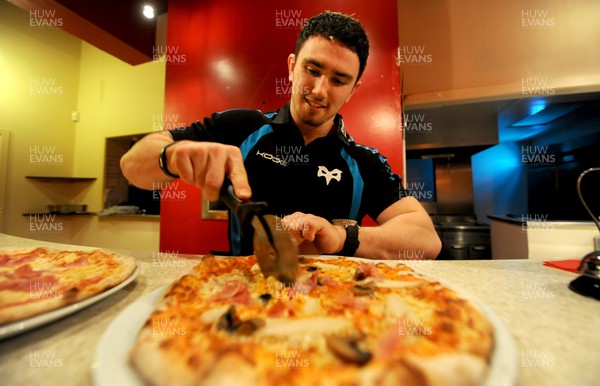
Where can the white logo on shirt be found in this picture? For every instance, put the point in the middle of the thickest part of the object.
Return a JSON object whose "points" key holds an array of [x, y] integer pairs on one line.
{"points": [[272, 157], [335, 174]]}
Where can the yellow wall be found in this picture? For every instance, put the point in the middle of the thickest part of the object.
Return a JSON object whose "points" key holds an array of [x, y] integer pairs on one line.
{"points": [[45, 75]]}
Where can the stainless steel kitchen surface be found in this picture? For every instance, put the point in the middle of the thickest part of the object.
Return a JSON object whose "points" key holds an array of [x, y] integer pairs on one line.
{"points": [[518, 156]]}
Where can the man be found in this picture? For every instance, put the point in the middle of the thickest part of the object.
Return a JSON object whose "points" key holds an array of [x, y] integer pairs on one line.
{"points": [[300, 160]]}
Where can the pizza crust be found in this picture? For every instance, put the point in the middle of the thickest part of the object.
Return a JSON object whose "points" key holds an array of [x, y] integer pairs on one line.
{"points": [[414, 332], [70, 283]]}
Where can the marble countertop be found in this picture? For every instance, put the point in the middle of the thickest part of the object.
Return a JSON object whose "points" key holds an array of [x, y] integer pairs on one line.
{"points": [[554, 329]]}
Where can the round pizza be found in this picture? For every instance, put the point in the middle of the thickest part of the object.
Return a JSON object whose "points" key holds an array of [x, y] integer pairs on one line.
{"points": [[343, 322], [38, 280]]}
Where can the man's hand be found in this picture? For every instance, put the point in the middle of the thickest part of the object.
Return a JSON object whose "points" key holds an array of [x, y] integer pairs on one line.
{"points": [[206, 164], [314, 235]]}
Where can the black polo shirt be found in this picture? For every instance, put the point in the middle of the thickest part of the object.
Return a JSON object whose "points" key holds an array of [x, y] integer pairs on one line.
{"points": [[332, 177]]}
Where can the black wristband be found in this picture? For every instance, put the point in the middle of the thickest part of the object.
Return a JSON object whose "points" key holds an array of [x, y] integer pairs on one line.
{"points": [[162, 161], [351, 244]]}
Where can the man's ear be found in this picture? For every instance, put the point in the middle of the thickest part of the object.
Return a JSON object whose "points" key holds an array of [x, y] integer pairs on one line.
{"points": [[291, 64], [353, 91]]}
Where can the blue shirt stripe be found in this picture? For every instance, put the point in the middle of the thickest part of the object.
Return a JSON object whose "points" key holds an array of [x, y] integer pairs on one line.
{"points": [[358, 184], [253, 139], [234, 224]]}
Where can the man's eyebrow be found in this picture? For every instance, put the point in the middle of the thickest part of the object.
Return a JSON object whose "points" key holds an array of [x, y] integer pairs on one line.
{"points": [[320, 66]]}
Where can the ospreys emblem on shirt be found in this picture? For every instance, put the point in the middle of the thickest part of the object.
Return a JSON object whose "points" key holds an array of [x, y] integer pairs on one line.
{"points": [[335, 174]]}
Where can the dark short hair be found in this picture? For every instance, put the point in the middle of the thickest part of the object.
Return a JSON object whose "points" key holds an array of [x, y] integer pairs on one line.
{"points": [[343, 28]]}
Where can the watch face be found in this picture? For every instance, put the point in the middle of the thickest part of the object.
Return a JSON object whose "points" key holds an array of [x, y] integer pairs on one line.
{"points": [[344, 222]]}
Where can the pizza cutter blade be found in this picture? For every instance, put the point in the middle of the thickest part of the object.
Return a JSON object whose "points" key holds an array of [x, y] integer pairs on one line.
{"points": [[275, 250]]}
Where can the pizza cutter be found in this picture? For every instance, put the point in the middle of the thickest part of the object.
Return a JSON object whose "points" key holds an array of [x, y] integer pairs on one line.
{"points": [[275, 250]]}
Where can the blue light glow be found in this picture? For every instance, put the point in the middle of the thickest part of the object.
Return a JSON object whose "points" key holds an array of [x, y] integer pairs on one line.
{"points": [[536, 106]]}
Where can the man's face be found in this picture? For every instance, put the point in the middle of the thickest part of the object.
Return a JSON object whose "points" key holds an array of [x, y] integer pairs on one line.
{"points": [[323, 77]]}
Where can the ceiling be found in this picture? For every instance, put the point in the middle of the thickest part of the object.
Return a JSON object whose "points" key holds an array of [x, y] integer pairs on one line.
{"points": [[115, 26], [457, 127]]}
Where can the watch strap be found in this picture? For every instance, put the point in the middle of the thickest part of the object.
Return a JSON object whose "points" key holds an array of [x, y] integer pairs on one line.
{"points": [[162, 161], [351, 244]]}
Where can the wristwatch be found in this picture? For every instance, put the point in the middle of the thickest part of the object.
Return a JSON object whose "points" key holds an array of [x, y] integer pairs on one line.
{"points": [[162, 161], [351, 244]]}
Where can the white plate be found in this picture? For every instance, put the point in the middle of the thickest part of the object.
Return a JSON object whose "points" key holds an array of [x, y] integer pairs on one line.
{"points": [[111, 365], [21, 326]]}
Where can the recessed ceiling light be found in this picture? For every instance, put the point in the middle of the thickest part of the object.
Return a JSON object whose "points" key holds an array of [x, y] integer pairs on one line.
{"points": [[148, 11]]}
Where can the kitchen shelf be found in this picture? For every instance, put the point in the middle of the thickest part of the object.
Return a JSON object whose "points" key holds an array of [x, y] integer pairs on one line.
{"points": [[61, 179]]}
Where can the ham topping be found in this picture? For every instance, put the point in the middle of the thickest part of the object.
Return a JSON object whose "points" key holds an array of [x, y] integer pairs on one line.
{"points": [[234, 291], [365, 270], [25, 278], [13, 261]]}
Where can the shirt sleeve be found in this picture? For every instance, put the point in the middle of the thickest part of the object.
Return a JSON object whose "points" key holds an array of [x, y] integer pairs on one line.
{"points": [[382, 186], [230, 127]]}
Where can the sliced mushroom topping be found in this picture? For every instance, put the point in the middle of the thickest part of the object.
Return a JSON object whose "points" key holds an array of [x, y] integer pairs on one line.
{"points": [[347, 349], [247, 327], [360, 274], [366, 289], [230, 322], [266, 297]]}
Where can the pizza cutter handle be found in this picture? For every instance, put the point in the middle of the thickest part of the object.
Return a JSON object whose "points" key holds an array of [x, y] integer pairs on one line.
{"points": [[244, 210]]}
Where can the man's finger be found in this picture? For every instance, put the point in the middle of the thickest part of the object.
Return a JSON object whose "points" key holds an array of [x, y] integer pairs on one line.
{"points": [[237, 174]]}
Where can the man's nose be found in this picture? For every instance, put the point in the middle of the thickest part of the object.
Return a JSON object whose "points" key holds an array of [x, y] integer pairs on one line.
{"points": [[320, 87]]}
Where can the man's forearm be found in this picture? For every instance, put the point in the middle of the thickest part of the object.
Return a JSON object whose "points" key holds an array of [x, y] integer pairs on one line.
{"points": [[140, 164], [398, 240], [406, 232]]}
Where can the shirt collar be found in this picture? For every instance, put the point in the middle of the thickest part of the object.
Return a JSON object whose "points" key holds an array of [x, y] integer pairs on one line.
{"points": [[284, 117]]}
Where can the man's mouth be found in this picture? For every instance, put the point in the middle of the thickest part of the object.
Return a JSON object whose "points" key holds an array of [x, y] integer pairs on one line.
{"points": [[314, 104]]}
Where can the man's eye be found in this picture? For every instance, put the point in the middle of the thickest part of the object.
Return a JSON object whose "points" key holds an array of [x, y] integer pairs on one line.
{"points": [[312, 71]]}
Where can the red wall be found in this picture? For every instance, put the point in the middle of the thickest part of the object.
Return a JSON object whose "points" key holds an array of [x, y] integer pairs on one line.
{"points": [[228, 54]]}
